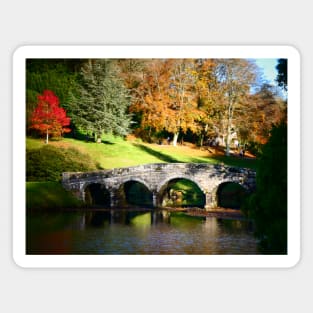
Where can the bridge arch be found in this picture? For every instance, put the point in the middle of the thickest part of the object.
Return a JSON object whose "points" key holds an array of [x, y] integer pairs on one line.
{"points": [[166, 194], [133, 179], [96, 194], [134, 191], [164, 183], [228, 193]]}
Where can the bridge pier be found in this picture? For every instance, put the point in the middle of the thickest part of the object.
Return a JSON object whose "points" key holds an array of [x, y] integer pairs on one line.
{"points": [[112, 199], [82, 195], [155, 199], [209, 201], [117, 198]]}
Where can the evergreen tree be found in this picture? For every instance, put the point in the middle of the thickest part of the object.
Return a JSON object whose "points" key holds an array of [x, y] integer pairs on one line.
{"points": [[99, 104], [268, 206], [282, 75]]}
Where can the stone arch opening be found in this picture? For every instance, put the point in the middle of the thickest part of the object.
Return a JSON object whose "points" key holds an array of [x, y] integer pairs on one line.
{"points": [[230, 195], [97, 194], [181, 192], [134, 193]]}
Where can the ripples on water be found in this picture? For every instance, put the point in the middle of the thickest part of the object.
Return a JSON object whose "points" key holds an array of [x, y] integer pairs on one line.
{"points": [[131, 232]]}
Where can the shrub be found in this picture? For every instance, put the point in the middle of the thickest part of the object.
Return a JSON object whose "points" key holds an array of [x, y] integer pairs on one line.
{"points": [[48, 163]]}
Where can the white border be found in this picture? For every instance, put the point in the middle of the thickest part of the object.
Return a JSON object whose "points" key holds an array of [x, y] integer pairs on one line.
{"points": [[149, 261]]}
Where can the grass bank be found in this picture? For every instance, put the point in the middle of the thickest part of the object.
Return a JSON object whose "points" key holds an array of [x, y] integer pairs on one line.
{"points": [[46, 196]]}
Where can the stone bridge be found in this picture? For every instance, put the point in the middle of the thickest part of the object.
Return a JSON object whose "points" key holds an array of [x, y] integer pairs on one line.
{"points": [[157, 177]]}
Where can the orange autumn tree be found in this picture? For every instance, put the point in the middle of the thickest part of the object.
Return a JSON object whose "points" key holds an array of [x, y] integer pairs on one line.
{"points": [[48, 118], [210, 101], [183, 105], [150, 99], [165, 97], [265, 109]]}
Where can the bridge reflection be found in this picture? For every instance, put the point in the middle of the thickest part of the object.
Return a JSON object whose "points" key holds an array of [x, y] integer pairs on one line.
{"points": [[127, 217]]}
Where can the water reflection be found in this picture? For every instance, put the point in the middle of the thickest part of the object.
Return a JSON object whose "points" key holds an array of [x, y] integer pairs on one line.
{"points": [[125, 217], [137, 232]]}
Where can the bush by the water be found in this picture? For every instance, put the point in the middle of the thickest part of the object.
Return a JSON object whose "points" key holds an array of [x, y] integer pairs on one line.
{"points": [[268, 205], [48, 163]]}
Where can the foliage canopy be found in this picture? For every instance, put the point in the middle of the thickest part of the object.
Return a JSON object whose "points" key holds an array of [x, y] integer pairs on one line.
{"points": [[100, 102], [197, 100], [48, 117]]}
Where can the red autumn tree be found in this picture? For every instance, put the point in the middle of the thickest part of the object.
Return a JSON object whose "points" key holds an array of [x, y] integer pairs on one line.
{"points": [[49, 118]]}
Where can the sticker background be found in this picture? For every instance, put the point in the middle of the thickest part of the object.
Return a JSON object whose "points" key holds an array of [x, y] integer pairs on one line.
{"points": [[162, 22]]}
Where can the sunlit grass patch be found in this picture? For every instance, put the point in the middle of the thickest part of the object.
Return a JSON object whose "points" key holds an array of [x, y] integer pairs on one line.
{"points": [[115, 152]]}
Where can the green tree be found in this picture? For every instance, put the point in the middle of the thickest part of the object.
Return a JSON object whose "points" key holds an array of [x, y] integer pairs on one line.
{"points": [[268, 206], [100, 102], [282, 73]]}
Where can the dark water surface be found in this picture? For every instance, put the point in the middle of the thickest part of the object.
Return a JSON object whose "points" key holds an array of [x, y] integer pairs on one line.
{"points": [[136, 232]]}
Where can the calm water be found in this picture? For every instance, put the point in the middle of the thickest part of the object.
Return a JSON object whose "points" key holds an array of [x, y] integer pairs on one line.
{"points": [[134, 232]]}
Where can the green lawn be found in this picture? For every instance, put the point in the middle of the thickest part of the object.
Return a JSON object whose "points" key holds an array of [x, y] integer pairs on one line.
{"points": [[116, 152]]}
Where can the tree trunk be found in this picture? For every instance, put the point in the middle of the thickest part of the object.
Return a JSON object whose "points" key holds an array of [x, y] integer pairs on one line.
{"points": [[201, 140], [149, 135], [98, 137], [47, 137], [228, 129], [204, 131], [228, 140], [175, 139]]}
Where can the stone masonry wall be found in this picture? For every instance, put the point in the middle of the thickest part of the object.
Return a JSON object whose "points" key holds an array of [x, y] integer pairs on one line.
{"points": [[156, 177]]}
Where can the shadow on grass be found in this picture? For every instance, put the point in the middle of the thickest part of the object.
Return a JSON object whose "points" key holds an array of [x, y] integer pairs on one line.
{"points": [[106, 142], [201, 160], [227, 160], [161, 156], [77, 135], [236, 161], [92, 140]]}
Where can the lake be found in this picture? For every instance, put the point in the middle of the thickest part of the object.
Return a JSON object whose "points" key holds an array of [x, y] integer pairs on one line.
{"points": [[113, 232]]}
